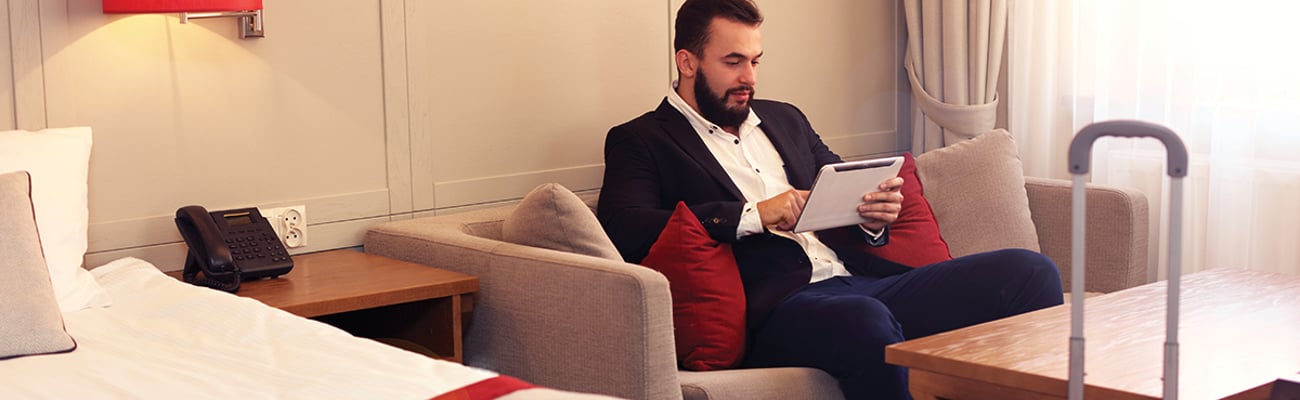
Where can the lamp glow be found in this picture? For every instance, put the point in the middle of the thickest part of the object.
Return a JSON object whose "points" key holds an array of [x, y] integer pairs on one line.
{"points": [[249, 12]]}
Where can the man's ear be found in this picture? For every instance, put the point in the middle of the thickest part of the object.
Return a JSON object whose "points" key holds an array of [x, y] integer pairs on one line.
{"points": [[686, 63]]}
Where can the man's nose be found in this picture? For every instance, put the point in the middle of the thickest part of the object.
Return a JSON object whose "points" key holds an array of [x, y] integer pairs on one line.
{"points": [[749, 75]]}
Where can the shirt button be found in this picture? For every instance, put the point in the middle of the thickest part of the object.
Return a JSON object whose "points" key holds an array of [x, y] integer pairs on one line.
{"points": [[756, 170], [737, 141]]}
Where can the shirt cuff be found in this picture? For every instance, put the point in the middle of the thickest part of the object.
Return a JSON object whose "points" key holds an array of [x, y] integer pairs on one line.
{"points": [[875, 239], [873, 235], [750, 222]]}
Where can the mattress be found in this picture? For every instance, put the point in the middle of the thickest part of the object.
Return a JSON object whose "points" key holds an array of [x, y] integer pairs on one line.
{"points": [[163, 338]]}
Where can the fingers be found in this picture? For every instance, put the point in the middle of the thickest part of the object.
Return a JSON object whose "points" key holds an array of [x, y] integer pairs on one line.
{"points": [[882, 208], [894, 197], [783, 210], [795, 202], [892, 184], [883, 197], [882, 212]]}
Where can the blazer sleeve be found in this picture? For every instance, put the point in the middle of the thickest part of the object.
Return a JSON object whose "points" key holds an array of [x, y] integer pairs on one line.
{"points": [[645, 177], [628, 196]]}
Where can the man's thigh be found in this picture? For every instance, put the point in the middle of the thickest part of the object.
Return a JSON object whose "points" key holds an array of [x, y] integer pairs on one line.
{"points": [[968, 290]]}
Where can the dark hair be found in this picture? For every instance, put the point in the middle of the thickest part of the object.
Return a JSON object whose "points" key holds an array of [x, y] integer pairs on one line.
{"points": [[694, 17]]}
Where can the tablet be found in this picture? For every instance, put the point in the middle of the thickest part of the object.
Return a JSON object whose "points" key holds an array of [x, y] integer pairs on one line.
{"points": [[838, 190]]}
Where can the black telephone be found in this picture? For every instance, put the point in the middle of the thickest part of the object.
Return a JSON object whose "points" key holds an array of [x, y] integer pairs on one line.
{"points": [[230, 246]]}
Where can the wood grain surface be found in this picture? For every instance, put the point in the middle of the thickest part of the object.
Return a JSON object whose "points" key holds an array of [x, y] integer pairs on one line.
{"points": [[1239, 330], [338, 281]]}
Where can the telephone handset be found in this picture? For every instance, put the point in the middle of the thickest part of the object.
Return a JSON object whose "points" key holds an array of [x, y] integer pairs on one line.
{"points": [[229, 246]]}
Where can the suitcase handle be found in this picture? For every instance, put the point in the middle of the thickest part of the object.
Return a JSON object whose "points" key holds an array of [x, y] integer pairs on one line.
{"points": [[1080, 154], [1081, 146]]}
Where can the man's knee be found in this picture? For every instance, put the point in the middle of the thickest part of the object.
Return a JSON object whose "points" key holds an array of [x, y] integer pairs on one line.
{"points": [[1022, 262], [1038, 265], [867, 322], [1040, 278]]}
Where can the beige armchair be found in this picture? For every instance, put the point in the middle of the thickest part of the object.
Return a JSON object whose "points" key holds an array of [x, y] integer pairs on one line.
{"points": [[588, 324]]}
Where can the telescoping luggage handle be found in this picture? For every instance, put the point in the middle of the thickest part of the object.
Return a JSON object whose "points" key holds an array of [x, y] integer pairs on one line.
{"points": [[1176, 158]]}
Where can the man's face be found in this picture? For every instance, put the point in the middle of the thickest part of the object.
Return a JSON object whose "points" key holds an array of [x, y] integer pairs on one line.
{"points": [[725, 109], [727, 73]]}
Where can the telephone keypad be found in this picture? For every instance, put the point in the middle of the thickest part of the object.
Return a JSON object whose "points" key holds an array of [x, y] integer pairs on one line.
{"points": [[254, 244]]}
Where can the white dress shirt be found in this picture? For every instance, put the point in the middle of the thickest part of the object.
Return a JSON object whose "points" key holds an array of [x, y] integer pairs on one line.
{"points": [[756, 168]]}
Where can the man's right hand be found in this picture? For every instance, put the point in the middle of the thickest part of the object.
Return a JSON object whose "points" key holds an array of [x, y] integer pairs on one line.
{"points": [[782, 211]]}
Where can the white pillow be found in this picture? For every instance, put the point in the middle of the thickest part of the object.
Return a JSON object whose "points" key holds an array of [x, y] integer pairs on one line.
{"points": [[58, 161]]}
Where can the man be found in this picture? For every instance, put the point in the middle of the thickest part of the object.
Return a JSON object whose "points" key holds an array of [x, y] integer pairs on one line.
{"points": [[743, 166]]}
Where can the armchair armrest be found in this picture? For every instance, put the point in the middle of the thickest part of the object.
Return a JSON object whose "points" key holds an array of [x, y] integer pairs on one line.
{"points": [[1116, 229], [553, 318]]}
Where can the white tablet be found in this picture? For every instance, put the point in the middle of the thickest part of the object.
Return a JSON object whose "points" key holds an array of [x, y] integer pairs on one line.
{"points": [[838, 190]]}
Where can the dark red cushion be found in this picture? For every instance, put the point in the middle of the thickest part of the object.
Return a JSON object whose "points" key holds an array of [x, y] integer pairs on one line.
{"points": [[914, 237], [708, 298]]}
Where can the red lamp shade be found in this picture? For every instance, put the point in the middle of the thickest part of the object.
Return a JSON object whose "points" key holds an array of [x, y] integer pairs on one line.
{"points": [[169, 6]]}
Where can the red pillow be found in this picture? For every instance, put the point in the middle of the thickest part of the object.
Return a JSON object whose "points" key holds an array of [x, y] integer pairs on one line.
{"points": [[708, 298], [914, 238]]}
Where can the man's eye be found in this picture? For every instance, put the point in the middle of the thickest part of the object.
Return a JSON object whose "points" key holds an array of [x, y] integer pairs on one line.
{"points": [[733, 62]]}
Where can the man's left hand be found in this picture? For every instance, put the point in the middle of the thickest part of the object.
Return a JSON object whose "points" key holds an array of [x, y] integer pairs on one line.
{"points": [[881, 208]]}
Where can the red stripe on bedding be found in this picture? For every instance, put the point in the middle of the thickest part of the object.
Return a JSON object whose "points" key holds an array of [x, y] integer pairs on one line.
{"points": [[489, 388]]}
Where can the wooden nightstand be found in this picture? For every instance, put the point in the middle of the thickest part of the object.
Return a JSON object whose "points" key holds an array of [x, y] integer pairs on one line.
{"points": [[375, 297]]}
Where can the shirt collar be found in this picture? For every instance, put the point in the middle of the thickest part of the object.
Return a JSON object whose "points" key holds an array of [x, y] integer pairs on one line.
{"points": [[698, 121]]}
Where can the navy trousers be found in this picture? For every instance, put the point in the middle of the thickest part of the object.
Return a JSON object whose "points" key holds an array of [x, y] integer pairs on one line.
{"points": [[842, 325]]}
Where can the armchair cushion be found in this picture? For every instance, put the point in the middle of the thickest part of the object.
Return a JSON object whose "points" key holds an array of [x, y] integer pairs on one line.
{"points": [[552, 217], [760, 383], [977, 191], [708, 298]]}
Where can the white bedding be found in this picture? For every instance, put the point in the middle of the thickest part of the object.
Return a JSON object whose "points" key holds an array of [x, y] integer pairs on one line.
{"points": [[162, 338]]}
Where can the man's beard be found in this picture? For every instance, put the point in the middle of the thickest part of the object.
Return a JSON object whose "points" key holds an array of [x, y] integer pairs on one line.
{"points": [[714, 107]]}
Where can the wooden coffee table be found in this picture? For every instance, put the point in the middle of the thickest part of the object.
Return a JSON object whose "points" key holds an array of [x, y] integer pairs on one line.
{"points": [[1239, 332]]}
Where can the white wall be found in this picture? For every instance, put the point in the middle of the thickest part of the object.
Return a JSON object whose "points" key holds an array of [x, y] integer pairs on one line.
{"points": [[368, 111]]}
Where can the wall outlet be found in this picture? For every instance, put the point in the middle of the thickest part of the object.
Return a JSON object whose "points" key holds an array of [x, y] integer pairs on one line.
{"points": [[289, 223]]}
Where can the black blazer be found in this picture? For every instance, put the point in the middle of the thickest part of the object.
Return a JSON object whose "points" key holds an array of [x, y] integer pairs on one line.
{"points": [[658, 159]]}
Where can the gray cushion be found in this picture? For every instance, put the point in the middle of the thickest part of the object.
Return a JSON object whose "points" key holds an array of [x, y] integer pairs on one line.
{"points": [[977, 191], [760, 383], [552, 217], [30, 321]]}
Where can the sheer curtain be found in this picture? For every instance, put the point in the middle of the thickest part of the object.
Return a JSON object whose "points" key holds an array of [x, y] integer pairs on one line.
{"points": [[1223, 75]]}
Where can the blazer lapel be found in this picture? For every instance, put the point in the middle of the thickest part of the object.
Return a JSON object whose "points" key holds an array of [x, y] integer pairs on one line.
{"points": [[783, 141], [679, 129]]}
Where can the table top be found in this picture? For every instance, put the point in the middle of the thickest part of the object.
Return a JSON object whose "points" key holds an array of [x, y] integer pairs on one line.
{"points": [[1239, 329], [337, 281]]}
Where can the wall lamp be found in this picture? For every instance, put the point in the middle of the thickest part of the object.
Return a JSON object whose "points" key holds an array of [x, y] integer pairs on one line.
{"points": [[249, 12]]}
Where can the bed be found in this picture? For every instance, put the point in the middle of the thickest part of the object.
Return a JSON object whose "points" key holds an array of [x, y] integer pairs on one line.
{"points": [[126, 330]]}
